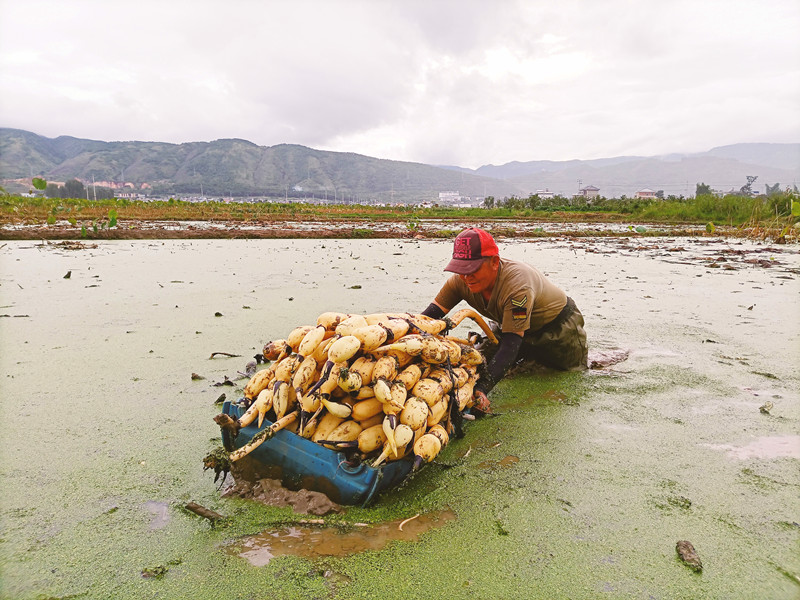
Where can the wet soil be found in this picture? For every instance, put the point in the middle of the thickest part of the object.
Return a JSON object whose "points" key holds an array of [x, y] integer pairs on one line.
{"points": [[354, 228], [272, 493]]}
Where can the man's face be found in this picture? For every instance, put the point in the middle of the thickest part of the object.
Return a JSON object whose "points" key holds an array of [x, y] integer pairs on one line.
{"points": [[483, 279]]}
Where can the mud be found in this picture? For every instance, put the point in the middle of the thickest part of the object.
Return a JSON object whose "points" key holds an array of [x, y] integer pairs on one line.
{"points": [[137, 229], [314, 541], [272, 493]]}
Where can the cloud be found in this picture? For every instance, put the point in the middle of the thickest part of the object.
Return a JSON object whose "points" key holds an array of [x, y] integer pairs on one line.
{"points": [[467, 82]]}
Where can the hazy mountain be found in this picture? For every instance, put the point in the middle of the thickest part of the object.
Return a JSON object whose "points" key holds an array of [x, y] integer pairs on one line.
{"points": [[239, 167], [676, 176], [724, 168]]}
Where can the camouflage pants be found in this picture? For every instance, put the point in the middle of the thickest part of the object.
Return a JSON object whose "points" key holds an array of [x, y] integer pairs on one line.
{"points": [[561, 344]]}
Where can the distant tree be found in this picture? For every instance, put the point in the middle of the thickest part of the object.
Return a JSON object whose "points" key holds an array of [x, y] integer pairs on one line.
{"points": [[102, 193], [488, 202], [39, 183], [703, 190], [660, 194], [74, 189], [773, 189], [52, 190], [747, 189]]}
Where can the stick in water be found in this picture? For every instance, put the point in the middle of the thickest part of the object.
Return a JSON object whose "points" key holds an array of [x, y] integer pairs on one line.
{"points": [[213, 354], [204, 512]]}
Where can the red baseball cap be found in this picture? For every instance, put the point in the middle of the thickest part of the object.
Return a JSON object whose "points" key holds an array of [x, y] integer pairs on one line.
{"points": [[470, 247]]}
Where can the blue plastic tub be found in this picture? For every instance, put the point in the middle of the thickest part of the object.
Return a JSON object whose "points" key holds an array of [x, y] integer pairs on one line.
{"points": [[302, 464]]}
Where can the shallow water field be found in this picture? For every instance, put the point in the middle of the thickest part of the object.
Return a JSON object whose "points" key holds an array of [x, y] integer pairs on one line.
{"points": [[580, 486]]}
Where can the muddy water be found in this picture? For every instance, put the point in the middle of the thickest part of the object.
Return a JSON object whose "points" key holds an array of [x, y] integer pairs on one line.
{"points": [[580, 487], [311, 541]]}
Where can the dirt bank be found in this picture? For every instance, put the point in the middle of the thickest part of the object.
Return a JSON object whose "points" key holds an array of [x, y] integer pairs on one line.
{"points": [[365, 228]]}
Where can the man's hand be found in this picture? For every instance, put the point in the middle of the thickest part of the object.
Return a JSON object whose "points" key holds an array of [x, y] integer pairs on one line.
{"points": [[482, 403]]}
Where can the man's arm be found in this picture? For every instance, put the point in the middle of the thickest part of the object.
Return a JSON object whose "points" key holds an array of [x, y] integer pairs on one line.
{"points": [[505, 356], [435, 310]]}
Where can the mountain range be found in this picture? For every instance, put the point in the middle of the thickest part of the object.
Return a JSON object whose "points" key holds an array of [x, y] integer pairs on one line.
{"points": [[236, 167]]}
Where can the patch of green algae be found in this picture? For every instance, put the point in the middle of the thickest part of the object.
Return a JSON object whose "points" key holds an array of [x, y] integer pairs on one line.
{"points": [[589, 510]]}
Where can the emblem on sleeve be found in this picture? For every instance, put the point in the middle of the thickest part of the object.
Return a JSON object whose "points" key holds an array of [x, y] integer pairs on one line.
{"points": [[519, 307]]}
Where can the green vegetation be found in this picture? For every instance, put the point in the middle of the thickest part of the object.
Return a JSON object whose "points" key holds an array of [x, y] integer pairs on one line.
{"points": [[777, 212]]}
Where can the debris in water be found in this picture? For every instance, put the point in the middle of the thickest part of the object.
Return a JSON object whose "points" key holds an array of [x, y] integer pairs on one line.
{"points": [[249, 369], [195, 377], [204, 512], [159, 571], [766, 407], [400, 527], [228, 354], [689, 556], [601, 359], [154, 572], [68, 275]]}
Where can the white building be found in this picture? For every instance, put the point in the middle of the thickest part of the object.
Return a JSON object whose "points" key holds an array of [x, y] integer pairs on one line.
{"points": [[449, 197]]}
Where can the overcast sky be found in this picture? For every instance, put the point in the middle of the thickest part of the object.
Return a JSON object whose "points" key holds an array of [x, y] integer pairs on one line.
{"points": [[462, 82]]}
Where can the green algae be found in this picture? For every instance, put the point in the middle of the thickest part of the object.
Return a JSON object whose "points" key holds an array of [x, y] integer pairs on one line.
{"points": [[612, 469]]}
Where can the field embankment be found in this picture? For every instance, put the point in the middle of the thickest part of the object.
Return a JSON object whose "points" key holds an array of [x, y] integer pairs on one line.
{"points": [[54, 218]]}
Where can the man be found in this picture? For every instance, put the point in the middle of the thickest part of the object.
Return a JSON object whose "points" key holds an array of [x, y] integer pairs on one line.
{"points": [[536, 319]]}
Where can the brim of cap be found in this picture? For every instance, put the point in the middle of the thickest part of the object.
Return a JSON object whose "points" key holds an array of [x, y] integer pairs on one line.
{"points": [[464, 267]]}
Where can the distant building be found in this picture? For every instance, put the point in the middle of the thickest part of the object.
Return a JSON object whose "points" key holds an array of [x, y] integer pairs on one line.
{"points": [[545, 194], [589, 191], [449, 197], [645, 193]]}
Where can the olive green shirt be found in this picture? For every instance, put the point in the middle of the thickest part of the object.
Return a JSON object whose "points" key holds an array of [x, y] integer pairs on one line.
{"points": [[522, 299]]}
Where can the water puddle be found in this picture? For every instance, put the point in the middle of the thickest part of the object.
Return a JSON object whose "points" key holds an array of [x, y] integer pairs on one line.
{"points": [[315, 541], [159, 512], [508, 461], [776, 446]]}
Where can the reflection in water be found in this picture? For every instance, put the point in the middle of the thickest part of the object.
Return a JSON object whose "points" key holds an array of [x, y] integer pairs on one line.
{"points": [[312, 542]]}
